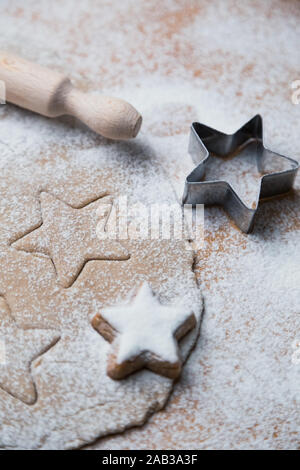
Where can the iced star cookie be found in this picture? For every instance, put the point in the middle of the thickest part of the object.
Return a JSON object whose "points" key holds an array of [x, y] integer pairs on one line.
{"points": [[144, 334]]}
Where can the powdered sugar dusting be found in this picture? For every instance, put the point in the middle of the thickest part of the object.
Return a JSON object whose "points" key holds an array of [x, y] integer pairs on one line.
{"points": [[217, 62], [240, 388], [76, 400]]}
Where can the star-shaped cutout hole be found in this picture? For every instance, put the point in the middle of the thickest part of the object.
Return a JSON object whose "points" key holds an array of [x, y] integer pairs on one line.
{"points": [[18, 348], [144, 334], [68, 236]]}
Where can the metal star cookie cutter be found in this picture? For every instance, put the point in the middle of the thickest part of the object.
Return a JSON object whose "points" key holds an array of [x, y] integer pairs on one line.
{"points": [[206, 142]]}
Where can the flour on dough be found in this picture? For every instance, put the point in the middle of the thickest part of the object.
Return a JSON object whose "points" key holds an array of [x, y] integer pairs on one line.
{"points": [[46, 285]]}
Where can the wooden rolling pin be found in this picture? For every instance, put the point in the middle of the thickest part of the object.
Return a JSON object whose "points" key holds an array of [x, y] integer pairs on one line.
{"points": [[52, 94]]}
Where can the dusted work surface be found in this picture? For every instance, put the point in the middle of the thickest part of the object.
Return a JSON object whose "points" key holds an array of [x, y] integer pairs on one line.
{"points": [[219, 63]]}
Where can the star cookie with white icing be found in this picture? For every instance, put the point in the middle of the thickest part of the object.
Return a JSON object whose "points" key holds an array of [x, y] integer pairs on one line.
{"points": [[18, 348], [144, 334], [69, 237]]}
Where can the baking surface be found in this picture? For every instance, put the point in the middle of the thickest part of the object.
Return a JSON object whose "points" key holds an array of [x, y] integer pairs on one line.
{"points": [[220, 63]]}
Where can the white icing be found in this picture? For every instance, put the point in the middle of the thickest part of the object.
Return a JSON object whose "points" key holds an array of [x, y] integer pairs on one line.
{"points": [[145, 325]]}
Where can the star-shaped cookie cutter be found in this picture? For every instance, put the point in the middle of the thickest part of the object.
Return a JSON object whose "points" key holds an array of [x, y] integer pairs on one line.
{"points": [[206, 142]]}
